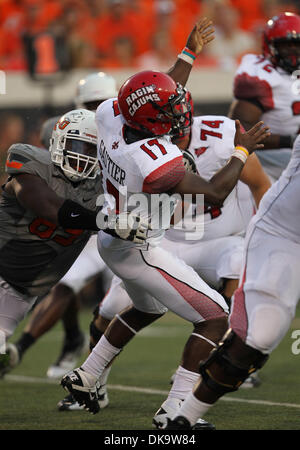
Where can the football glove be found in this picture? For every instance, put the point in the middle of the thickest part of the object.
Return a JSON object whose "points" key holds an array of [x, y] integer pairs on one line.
{"points": [[189, 162], [128, 226]]}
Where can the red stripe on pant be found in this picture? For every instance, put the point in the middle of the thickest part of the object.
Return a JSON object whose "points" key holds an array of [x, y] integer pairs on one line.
{"points": [[238, 319], [204, 305]]}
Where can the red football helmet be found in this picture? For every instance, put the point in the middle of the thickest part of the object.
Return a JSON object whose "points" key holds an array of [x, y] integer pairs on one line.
{"points": [[152, 102], [283, 29]]}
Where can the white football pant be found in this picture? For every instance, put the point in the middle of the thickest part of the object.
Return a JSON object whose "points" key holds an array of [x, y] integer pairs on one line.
{"points": [[265, 303], [157, 281]]}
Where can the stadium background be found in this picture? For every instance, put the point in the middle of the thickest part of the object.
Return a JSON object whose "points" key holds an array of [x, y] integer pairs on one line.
{"points": [[46, 46]]}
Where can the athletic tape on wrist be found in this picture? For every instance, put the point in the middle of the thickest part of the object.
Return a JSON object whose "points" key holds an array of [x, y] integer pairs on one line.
{"points": [[243, 149], [187, 55], [241, 153]]}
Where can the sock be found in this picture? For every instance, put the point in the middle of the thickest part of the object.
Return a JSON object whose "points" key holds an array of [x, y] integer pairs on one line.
{"points": [[25, 341], [100, 357], [193, 409], [103, 378], [183, 383]]}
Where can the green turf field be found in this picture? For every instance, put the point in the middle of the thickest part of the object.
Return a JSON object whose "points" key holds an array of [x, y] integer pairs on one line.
{"points": [[138, 383]]}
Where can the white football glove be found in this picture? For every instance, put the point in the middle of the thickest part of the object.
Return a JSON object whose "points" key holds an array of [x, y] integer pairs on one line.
{"points": [[189, 161], [129, 226]]}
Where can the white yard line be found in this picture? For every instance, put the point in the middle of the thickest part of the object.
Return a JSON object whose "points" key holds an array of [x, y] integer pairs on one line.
{"points": [[118, 387]]}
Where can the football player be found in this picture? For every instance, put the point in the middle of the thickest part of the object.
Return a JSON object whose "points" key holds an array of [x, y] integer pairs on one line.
{"points": [[135, 132], [265, 302], [215, 253], [63, 301], [88, 93], [266, 88], [47, 213]]}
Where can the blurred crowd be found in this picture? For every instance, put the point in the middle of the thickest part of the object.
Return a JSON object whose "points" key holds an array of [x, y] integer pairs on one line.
{"points": [[12, 130], [66, 34], [46, 36]]}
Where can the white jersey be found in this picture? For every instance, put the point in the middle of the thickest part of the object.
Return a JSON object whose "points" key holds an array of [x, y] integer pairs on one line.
{"points": [[273, 90], [212, 144], [149, 166], [278, 213]]}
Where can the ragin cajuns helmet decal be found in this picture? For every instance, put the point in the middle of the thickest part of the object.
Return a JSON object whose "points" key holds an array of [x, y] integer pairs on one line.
{"points": [[140, 97]]}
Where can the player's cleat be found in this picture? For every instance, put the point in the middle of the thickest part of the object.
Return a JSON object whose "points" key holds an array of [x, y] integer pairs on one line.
{"points": [[84, 388], [103, 397], [202, 424], [252, 381], [168, 410], [70, 404], [9, 360], [71, 351], [179, 423]]}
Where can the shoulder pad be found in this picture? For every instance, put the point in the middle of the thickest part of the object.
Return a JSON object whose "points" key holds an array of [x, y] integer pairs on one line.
{"points": [[258, 65], [154, 153], [255, 79], [214, 132], [216, 124], [24, 158], [106, 110], [215, 121]]}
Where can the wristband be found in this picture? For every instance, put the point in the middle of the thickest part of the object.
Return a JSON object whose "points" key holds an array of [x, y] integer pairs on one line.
{"points": [[243, 149], [187, 55], [286, 141], [241, 153], [74, 216]]}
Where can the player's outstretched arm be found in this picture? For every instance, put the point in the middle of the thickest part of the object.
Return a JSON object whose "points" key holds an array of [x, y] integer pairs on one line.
{"points": [[221, 184], [201, 35], [34, 194], [256, 178]]}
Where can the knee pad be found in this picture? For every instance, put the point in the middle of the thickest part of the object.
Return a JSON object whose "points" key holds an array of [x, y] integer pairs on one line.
{"points": [[2, 342], [221, 374], [268, 324]]}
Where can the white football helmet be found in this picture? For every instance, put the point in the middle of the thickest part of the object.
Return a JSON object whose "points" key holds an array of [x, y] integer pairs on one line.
{"points": [[73, 145], [95, 87]]}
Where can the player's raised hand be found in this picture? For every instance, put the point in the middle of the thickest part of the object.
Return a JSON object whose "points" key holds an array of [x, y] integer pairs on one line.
{"points": [[201, 35], [253, 138]]}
